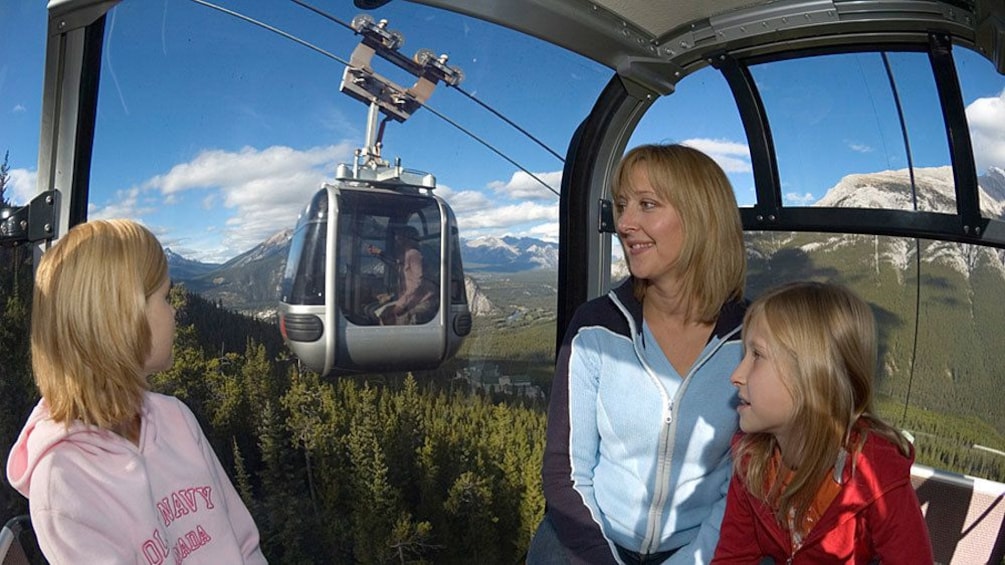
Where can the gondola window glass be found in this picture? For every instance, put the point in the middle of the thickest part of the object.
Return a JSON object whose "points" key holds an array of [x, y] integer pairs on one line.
{"points": [[938, 321], [215, 133], [838, 123], [984, 97], [458, 294], [304, 277], [673, 119], [388, 258]]}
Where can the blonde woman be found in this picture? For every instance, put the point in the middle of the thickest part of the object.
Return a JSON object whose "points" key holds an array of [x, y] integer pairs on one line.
{"points": [[819, 478], [115, 473], [636, 463]]}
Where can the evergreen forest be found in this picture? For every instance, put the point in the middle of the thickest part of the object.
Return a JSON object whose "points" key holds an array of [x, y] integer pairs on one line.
{"points": [[334, 471]]}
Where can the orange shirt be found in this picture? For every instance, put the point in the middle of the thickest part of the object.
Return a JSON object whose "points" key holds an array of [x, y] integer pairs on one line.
{"points": [[826, 493]]}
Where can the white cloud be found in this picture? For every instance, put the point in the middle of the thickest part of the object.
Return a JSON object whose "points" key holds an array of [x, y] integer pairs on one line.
{"points": [[444, 191], [987, 131], [731, 156], [467, 201], [547, 231], [265, 188], [482, 214], [792, 198], [859, 147], [263, 191], [21, 186], [522, 186], [126, 204], [19, 108], [505, 216], [229, 170]]}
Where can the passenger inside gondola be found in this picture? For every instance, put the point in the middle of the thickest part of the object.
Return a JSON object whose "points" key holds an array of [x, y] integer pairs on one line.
{"points": [[415, 299]]}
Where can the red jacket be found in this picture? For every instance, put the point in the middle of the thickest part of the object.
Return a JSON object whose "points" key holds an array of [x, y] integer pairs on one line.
{"points": [[875, 517]]}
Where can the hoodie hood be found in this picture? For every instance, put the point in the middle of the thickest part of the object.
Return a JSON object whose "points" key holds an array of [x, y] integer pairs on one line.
{"points": [[40, 434]]}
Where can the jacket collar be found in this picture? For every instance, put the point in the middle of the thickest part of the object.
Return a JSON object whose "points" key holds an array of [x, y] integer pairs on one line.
{"points": [[730, 316]]}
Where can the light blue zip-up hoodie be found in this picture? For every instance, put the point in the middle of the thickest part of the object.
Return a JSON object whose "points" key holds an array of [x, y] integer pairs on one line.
{"points": [[638, 455]]}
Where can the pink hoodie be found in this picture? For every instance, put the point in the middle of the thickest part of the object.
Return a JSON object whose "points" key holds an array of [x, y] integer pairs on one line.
{"points": [[97, 498]]}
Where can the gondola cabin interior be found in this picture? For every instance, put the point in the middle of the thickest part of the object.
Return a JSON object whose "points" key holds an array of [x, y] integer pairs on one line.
{"points": [[864, 139]]}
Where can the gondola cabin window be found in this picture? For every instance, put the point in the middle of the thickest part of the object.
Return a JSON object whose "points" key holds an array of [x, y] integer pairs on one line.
{"points": [[389, 258], [865, 129]]}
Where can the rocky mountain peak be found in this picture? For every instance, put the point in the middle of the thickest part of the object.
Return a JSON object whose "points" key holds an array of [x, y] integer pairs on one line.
{"points": [[935, 191]]}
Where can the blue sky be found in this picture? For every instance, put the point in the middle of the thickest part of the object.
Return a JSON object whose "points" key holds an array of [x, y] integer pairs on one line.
{"points": [[215, 132]]}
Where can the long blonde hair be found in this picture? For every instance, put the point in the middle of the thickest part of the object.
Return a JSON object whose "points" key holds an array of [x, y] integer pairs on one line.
{"points": [[823, 338], [713, 264], [90, 336]]}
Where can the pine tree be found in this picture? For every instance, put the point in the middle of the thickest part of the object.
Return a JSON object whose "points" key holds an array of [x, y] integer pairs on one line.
{"points": [[473, 535], [411, 542], [17, 387], [375, 502], [285, 526], [242, 480]]}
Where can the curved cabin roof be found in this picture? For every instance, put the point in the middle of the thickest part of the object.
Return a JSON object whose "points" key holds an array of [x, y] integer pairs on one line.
{"points": [[654, 43], [651, 45]]}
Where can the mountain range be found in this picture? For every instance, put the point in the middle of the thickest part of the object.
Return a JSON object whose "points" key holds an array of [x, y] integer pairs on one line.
{"points": [[936, 193], [937, 304], [248, 282], [888, 190]]}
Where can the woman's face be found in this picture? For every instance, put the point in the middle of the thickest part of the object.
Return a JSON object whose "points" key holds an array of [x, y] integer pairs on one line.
{"points": [[649, 227], [160, 316]]}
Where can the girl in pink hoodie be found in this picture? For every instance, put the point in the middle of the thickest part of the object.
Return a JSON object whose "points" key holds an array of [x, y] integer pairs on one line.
{"points": [[114, 473]]}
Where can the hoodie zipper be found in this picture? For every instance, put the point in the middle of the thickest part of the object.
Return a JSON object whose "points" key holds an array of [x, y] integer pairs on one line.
{"points": [[665, 452], [665, 457]]}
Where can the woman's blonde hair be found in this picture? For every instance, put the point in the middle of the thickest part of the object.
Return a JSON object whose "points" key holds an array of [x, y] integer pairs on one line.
{"points": [[823, 339], [90, 337], [712, 265]]}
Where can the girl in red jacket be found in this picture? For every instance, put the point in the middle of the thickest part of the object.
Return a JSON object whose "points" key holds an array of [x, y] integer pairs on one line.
{"points": [[818, 478]]}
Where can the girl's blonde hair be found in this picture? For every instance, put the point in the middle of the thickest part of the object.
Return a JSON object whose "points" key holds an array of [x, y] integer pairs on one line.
{"points": [[712, 265], [90, 337], [823, 339]]}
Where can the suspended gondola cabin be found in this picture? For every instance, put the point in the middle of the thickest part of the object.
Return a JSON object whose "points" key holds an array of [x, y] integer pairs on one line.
{"points": [[374, 281]]}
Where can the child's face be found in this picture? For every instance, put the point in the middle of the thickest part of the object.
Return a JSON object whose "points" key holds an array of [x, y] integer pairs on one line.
{"points": [[160, 316], [766, 405]]}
